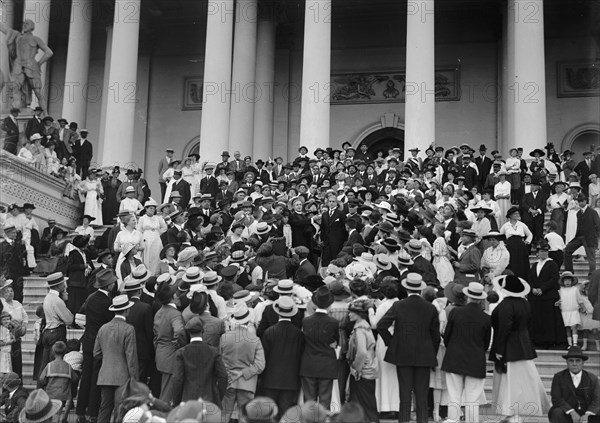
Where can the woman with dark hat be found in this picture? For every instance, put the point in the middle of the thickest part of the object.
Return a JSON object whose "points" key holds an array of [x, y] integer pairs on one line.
{"points": [[518, 388], [518, 237], [85, 229], [558, 203], [78, 268], [547, 327], [110, 205], [168, 259]]}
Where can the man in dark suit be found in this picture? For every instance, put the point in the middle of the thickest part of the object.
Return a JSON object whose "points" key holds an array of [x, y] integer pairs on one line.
{"points": [[305, 268], [183, 188], [209, 184], [96, 314], [64, 148], [588, 231], [13, 254], [467, 266], [575, 392], [77, 269], [199, 370], [11, 127], [354, 236], [484, 164], [86, 152], [141, 318], [163, 165], [130, 182], [319, 367], [465, 360], [48, 235], [283, 344], [584, 169], [14, 397], [333, 231], [116, 349], [469, 173], [533, 208], [285, 287], [420, 264], [35, 125], [413, 347], [224, 193]]}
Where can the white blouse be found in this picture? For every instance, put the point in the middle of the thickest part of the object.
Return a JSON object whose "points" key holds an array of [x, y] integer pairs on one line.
{"points": [[518, 229], [502, 188], [153, 224], [556, 201], [125, 237]]}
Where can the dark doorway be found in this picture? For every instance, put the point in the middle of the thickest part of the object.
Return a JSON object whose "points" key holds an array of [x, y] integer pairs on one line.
{"points": [[383, 140]]}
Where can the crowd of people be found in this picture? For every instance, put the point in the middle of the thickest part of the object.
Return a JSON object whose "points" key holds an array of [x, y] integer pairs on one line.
{"points": [[337, 279]]}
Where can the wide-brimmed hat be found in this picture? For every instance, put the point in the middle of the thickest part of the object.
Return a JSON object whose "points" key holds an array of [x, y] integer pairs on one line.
{"points": [[413, 282], [104, 278], [475, 290], [150, 203], [88, 217], [511, 286], [386, 227], [211, 278], [384, 205], [11, 381], [565, 275], [103, 253], [130, 284], [511, 211], [284, 286], [537, 151], [322, 297], [7, 283], [404, 259], [360, 307], [339, 291], [382, 261], [120, 303], [163, 252], [55, 279], [285, 307], [477, 209], [241, 313], [575, 352], [244, 296], [39, 407], [80, 241], [263, 228], [140, 273], [414, 246], [198, 287], [193, 275], [391, 244]]}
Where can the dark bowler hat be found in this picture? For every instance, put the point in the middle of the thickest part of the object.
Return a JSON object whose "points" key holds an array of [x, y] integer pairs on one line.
{"points": [[575, 352], [322, 298]]}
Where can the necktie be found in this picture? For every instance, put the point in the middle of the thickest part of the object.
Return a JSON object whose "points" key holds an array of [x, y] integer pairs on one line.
{"points": [[331, 213]]}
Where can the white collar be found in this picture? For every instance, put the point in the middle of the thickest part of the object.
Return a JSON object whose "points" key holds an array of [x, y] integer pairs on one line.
{"points": [[321, 310], [103, 291], [118, 316], [196, 338]]}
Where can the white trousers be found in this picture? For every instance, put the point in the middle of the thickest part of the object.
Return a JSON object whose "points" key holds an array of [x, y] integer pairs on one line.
{"points": [[464, 390]]}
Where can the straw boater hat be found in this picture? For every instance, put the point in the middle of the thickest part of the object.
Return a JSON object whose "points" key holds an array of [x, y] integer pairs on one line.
{"points": [[140, 273], [244, 296], [130, 284], [475, 290], [413, 282], [211, 278], [120, 303], [382, 261], [511, 286], [285, 287], [165, 277], [193, 275], [55, 279], [39, 407], [414, 246], [285, 307], [241, 314], [492, 234], [263, 228]]}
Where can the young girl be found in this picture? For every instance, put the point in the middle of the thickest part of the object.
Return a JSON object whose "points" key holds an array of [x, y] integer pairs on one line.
{"points": [[6, 340], [570, 302], [588, 325]]}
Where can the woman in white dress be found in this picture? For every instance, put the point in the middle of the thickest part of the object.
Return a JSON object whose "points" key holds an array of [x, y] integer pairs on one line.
{"points": [[85, 229], [387, 391], [52, 162], [513, 168], [39, 154], [502, 193], [557, 203], [151, 226], [25, 153], [187, 172], [128, 236], [441, 260], [92, 191]]}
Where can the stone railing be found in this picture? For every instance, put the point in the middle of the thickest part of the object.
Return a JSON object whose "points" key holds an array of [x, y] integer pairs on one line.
{"points": [[23, 183]]}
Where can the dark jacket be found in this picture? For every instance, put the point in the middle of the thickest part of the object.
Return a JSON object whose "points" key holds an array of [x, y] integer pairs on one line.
{"points": [[97, 314], [302, 230], [86, 152], [183, 187], [283, 344], [539, 202], [270, 318], [141, 318], [424, 267], [318, 359], [547, 281], [565, 396], [467, 337], [416, 333], [14, 405], [11, 129], [76, 266], [333, 231], [510, 321], [34, 126], [305, 270], [588, 227], [594, 293], [199, 373]]}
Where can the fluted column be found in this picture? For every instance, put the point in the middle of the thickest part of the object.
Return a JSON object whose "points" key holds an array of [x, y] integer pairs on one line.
{"points": [[214, 130], [241, 121], [420, 75], [265, 80], [39, 12], [117, 148], [78, 62], [7, 18], [525, 91], [316, 74]]}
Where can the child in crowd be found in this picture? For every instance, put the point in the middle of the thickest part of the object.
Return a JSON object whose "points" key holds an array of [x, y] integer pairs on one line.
{"points": [[588, 325], [6, 340], [556, 242], [570, 303], [57, 378]]}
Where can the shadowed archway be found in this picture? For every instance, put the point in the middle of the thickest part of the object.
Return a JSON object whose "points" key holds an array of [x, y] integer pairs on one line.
{"points": [[384, 139]]}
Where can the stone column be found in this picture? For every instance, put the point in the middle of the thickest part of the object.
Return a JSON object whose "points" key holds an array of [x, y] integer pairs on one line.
{"points": [[214, 130], [122, 85], [316, 75], [265, 81], [244, 88], [7, 18], [526, 76], [39, 12], [78, 62], [420, 75]]}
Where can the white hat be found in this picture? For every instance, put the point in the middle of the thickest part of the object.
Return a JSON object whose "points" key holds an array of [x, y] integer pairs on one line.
{"points": [[35, 137], [475, 290], [414, 282], [241, 314], [120, 303]]}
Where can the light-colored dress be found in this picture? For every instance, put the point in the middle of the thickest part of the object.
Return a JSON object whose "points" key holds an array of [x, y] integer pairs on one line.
{"points": [[570, 298], [5, 358], [151, 228], [502, 188], [387, 391], [39, 155], [93, 203], [89, 231], [441, 262], [123, 238], [26, 155], [52, 162]]}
